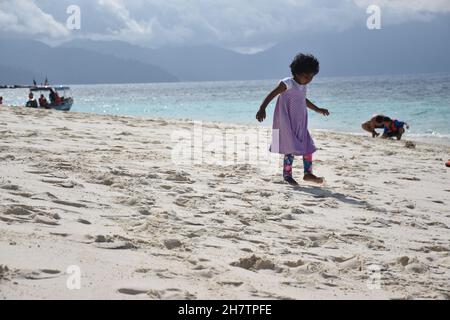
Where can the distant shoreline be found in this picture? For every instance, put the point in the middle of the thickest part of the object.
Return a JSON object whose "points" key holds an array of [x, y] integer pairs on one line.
{"points": [[319, 77], [15, 86]]}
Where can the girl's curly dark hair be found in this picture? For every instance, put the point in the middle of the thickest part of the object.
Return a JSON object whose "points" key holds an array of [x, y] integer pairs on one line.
{"points": [[305, 63]]}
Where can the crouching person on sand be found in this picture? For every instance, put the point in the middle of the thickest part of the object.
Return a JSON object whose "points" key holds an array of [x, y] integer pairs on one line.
{"points": [[394, 129], [377, 122]]}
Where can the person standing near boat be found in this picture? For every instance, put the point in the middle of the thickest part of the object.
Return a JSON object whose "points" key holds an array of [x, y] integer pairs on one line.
{"points": [[52, 96], [1, 100]]}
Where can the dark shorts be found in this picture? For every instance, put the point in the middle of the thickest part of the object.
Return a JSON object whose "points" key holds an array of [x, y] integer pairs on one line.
{"points": [[390, 134], [395, 134]]}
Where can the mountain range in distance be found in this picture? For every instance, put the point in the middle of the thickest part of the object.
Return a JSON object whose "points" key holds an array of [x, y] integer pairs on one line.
{"points": [[402, 49]]}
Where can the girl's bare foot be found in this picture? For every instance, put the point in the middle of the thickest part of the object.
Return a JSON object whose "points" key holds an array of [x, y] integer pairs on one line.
{"points": [[291, 181], [312, 178]]}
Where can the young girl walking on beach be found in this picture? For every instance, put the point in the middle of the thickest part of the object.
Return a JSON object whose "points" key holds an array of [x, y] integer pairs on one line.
{"points": [[290, 122]]}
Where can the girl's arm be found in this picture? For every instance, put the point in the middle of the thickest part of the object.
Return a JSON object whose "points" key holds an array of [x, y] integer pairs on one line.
{"points": [[261, 115], [312, 106]]}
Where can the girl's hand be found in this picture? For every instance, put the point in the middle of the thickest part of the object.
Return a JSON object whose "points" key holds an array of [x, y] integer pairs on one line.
{"points": [[261, 115], [324, 112]]}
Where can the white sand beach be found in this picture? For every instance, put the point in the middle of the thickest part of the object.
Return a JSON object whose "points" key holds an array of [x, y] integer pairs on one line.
{"points": [[105, 195]]}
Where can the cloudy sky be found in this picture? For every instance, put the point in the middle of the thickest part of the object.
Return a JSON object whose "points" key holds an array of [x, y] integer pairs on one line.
{"points": [[245, 26]]}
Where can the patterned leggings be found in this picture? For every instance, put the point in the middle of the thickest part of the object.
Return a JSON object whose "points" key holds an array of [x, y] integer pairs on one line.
{"points": [[289, 160]]}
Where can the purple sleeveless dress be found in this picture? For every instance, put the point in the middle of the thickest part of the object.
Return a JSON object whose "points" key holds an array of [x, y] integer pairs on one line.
{"points": [[290, 133]]}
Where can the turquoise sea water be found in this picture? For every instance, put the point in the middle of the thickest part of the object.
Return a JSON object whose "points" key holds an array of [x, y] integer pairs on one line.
{"points": [[421, 100]]}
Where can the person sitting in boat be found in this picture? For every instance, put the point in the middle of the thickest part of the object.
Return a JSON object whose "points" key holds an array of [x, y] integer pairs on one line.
{"points": [[377, 122], [31, 103], [58, 100], [394, 128], [43, 103]]}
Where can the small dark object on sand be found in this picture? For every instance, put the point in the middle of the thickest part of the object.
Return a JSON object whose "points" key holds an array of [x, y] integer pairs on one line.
{"points": [[410, 145]]}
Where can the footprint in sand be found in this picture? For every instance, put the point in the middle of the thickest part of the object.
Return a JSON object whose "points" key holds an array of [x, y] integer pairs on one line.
{"points": [[83, 221], [119, 245], [231, 283], [132, 292], [375, 222], [38, 172], [39, 274], [165, 294], [63, 165], [153, 176], [184, 201], [6, 273], [45, 220], [10, 187], [375, 209], [172, 243], [69, 185], [112, 243], [44, 196], [416, 267], [104, 179], [179, 177], [7, 157], [294, 264], [309, 204], [254, 263], [437, 224], [70, 204], [300, 210], [371, 243], [55, 175], [19, 210], [22, 213]]}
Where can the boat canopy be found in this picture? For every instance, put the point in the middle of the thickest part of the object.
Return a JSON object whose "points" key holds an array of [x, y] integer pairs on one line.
{"points": [[49, 88]]}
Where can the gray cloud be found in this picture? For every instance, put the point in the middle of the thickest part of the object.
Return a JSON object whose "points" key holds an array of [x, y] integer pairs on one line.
{"points": [[25, 17], [244, 25]]}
